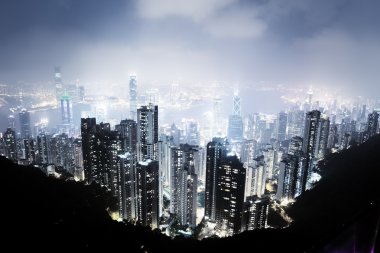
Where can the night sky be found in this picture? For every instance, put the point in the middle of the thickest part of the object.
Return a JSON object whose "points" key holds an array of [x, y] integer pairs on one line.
{"points": [[244, 42]]}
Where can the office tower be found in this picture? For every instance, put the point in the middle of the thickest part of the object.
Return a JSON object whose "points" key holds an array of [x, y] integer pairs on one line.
{"points": [[184, 183], [216, 151], [128, 134], [175, 134], [147, 186], [59, 89], [281, 126], [66, 110], [132, 97], [229, 195], [235, 121], [372, 125], [43, 149], [127, 191], [147, 132], [10, 144], [217, 129], [24, 117], [78, 160], [255, 214]]}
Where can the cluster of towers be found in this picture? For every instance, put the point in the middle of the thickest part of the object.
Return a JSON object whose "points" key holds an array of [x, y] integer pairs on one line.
{"points": [[158, 177]]}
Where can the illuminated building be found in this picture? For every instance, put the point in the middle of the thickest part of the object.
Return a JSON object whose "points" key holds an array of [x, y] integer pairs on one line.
{"points": [[147, 186], [255, 214], [216, 151], [132, 97], [24, 117], [10, 144], [229, 195], [147, 132]]}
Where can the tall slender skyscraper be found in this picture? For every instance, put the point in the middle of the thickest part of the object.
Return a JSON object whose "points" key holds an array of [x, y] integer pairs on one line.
{"points": [[235, 121], [66, 110], [230, 195], [147, 177], [147, 132], [216, 151], [24, 117], [183, 184], [132, 97], [59, 89], [372, 125], [281, 126], [10, 144]]}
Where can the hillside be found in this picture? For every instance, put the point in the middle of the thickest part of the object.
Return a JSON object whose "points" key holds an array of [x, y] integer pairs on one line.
{"points": [[41, 213]]}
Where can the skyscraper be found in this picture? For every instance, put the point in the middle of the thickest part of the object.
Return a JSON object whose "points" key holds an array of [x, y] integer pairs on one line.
{"points": [[24, 117], [235, 121], [183, 184], [372, 125], [147, 132], [217, 128], [128, 134], [66, 110], [230, 195], [255, 213], [100, 149], [147, 177], [132, 97], [127, 191], [59, 89], [10, 144], [281, 126], [216, 151]]}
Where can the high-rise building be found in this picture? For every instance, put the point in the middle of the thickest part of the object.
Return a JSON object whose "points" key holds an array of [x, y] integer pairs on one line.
{"points": [[61, 150], [147, 132], [24, 117], [372, 125], [147, 186], [43, 149], [127, 191], [229, 195], [256, 176], [184, 183], [235, 121], [10, 144], [100, 149], [132, 97], [66, 110], [78, 160], [255, 213], [217, 126], [281, 126], [216, 151], [59, 89], [128, 134]]}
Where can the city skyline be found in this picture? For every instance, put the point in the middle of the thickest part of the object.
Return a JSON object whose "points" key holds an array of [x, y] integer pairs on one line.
{"points": [[198, 119]]}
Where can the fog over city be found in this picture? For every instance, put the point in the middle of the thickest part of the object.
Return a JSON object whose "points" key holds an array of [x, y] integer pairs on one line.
{"points": [[295, 43]]}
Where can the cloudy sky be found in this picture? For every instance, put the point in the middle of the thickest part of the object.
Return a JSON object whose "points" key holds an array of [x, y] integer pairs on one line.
{"points": [[244, 42]]}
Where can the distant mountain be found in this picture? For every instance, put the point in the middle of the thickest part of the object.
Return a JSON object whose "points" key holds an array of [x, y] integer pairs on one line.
{"points": [[341, 213]]}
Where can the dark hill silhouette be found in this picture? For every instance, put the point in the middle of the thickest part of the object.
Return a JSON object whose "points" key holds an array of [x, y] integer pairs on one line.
{"points": [[43, 213]]}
